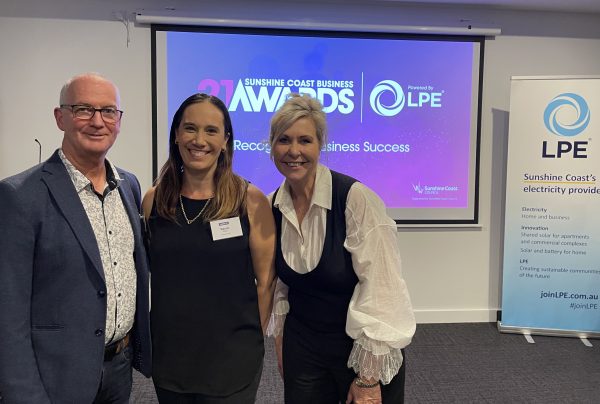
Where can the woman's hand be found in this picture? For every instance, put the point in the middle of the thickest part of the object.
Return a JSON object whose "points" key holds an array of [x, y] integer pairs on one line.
{"points": [[279, 352], [364, 395], [262, 249]]}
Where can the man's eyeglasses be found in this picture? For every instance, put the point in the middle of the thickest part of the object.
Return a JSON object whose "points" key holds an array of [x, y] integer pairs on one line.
{"points": [[87, 112]]}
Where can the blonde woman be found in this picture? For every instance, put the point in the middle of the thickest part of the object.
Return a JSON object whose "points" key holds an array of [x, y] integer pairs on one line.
{"points": [[341, 303]]}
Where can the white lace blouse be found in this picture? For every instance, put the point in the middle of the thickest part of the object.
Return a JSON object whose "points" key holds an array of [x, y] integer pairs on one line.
{"points": [[380, 318]]}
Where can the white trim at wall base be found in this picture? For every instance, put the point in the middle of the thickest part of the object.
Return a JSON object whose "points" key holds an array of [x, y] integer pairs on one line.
{"points": [[456, 316]]}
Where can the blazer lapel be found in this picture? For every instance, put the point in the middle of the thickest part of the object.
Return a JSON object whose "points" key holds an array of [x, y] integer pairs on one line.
{"points": [[55, 175], [126, 192]]}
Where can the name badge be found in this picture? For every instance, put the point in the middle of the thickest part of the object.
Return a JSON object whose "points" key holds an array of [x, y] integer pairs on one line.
{"points": [[226, 228]]}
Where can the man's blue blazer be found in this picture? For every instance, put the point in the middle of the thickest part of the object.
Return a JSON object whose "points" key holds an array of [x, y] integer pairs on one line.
{"points": [[53, 292]]}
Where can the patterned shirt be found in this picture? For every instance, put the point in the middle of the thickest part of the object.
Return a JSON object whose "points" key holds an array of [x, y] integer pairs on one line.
{"points": [[114, 236]]}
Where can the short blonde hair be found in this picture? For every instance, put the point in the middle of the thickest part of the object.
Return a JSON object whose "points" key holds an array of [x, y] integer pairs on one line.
{"points": [[298, 106]]}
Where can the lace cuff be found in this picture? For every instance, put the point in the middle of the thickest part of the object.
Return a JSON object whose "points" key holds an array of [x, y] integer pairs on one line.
{"points": [[277, 319], [375, 359]]}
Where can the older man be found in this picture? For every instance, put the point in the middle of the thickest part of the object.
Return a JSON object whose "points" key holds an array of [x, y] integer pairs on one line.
{"points": [[73, 271]]}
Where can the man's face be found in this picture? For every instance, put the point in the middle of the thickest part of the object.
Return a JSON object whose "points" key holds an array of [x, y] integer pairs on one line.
{"points": [[88, 139]]}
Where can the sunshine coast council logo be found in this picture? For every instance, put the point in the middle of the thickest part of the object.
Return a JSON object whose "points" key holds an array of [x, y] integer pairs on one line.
{"points": [[417, 188]]}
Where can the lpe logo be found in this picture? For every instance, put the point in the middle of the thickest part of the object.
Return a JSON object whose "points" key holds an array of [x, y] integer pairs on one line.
{"points": [[412, 98], [567, 115]]}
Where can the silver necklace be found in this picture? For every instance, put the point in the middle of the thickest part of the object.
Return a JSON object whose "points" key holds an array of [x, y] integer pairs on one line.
{"points": [[190, 221]]}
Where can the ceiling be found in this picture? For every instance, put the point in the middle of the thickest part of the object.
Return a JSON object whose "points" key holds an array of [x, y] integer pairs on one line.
{"points": [[101, 9], [576, 6]]}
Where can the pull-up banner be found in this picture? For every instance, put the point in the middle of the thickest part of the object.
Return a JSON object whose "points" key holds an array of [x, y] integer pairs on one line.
{"points": [[551, 270]]}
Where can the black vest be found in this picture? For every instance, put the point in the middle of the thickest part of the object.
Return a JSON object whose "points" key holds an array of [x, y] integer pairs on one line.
{"points": [[319, 299]]}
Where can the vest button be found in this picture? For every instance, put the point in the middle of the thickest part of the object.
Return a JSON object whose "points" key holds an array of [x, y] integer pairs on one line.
{"points": [[99, 332]]}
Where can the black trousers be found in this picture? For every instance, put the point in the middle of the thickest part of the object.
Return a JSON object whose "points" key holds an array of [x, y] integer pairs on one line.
{"points": [[315, 368], [245, 396]]}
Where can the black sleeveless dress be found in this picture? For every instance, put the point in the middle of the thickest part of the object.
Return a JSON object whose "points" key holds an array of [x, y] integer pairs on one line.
{"points": [[206, 331]]}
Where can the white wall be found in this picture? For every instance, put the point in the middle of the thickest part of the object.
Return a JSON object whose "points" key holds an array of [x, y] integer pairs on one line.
{"points": [[39, 55], [453, 274]]}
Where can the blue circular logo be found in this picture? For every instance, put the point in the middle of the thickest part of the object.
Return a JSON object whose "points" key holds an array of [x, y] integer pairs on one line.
{"points": [[565, 102], [383, 87]]}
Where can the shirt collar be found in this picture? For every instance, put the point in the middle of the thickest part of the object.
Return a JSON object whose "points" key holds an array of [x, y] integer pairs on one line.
{"points": [[321, 194], [81, 181]]}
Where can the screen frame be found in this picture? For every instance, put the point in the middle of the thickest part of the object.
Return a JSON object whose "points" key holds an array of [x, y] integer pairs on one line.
{"points": [[475, 141]]}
